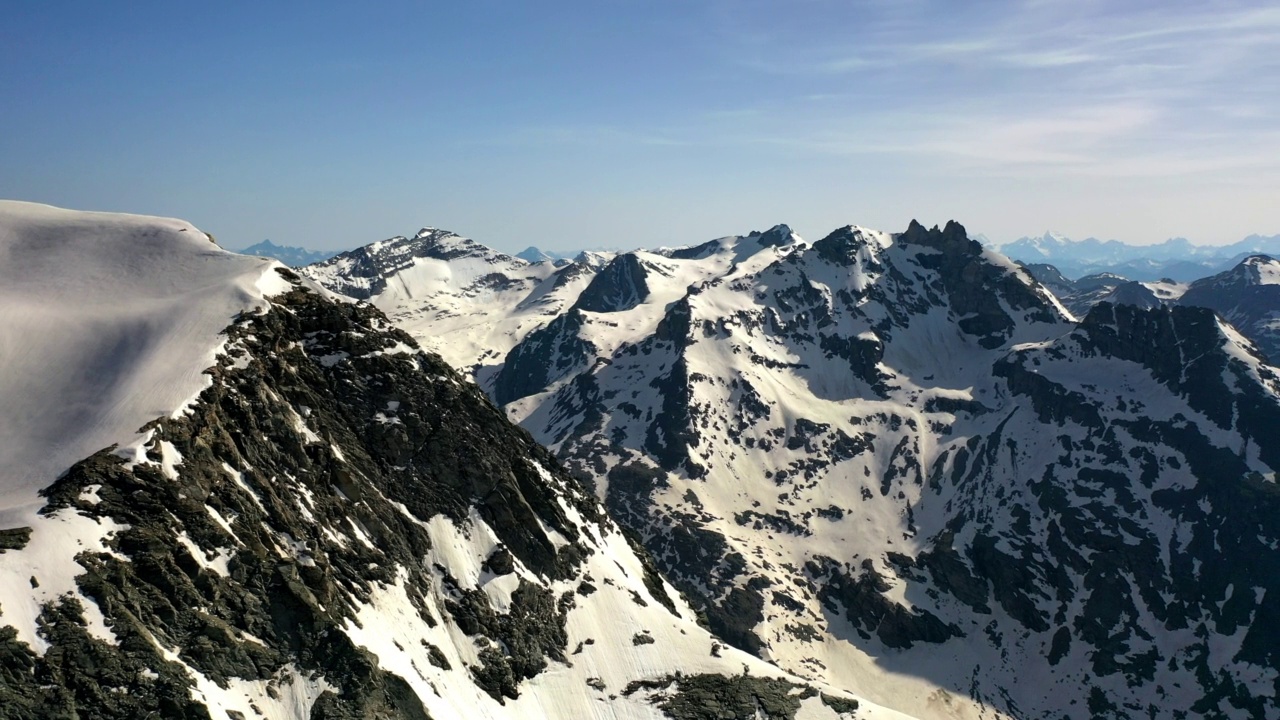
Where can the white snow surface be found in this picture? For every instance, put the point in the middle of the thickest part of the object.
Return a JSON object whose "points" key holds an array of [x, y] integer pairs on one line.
{"points": [[107, 322], [601, 631], [1167, 291], [1268, 270], [472, 307]]}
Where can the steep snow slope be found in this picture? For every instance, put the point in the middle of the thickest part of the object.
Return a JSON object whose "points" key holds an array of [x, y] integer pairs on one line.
{"points": [[108, 321], [328, 524], [895, 463]]}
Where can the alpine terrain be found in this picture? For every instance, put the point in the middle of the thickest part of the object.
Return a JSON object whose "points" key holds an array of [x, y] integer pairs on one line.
{"points": [[1079, 296], [896, 463], [225, 493], [1247, 295]]}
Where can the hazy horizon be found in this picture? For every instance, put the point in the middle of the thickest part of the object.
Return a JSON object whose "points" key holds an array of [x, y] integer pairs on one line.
{"points": [[630, 124], [569, 250]]}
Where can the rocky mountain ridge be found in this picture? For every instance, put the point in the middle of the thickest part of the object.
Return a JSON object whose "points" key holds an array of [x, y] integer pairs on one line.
{"points": [[896, 461], [454, 286], [1079, 296]]}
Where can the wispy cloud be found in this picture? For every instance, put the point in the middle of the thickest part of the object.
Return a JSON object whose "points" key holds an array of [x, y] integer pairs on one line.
{"points": [[1170, 102], [1037, 86]]}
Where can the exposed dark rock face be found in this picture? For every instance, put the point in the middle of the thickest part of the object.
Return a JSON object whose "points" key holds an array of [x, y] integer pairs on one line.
{"points": [[865, 606], [717, 697], [619, 286], [975, 287], [14, 538], [1133, 293], [773, 237], [313, 520], [673, 431], [840, 247], [545, 356]]}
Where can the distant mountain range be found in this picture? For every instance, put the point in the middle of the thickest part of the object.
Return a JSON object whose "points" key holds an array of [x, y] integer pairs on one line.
{"points": [[558, 257], [1177, 259], [288, 254]]}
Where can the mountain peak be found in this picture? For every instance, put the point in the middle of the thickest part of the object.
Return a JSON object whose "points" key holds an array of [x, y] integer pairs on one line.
{"points": [[1266, 268], [841, 245], [952, 234], [363, 272], [775, 236], [533, 254], [446, 245]]}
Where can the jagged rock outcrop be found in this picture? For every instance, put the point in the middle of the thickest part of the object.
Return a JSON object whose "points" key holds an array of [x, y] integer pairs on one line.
{"points": [[617, 287]]}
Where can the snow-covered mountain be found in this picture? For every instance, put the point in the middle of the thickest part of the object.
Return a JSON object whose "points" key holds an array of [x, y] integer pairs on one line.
{"points": [[534, 255], [896, 463], [226, 494], [1079, 296], [460, 299], [1176, 258], [1248, 296], [288, 254]]}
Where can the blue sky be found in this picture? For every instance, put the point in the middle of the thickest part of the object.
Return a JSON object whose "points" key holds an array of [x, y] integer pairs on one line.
{"points": [[625, 123]]}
